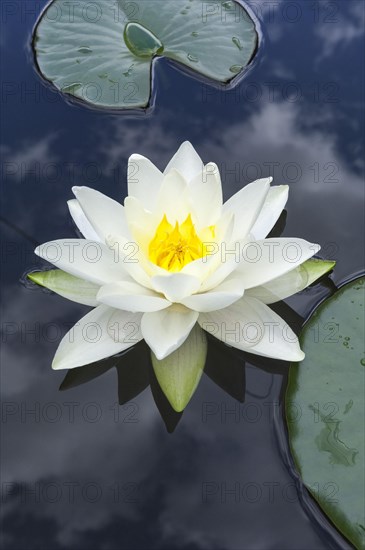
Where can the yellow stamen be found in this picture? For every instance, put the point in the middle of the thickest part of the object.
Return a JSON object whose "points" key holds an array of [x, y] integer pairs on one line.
{"points": [[173, 247]]}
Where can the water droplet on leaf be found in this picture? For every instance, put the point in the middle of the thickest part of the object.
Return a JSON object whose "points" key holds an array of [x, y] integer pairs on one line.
{"points": [[236, 69], [129, 71], [85, 50], [237, 42], [142, 42], [192, 58]]}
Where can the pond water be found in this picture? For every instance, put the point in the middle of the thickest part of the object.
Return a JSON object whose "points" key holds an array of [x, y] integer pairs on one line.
{"points": [[79, 470]]}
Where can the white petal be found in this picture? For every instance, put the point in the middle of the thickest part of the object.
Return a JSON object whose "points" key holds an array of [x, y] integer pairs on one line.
{"points": [[175, 286], [104, 214], [219, 275], [125, 327], [251, 326], [135, 262], [220, 297], [267, 259], [206, 197], [281, 287], [81, 220], [173, 199], [141, 223], [272, 208], [130, 257], [205, 268], [164, 331], [90, 340], [294, 281], [68, 286], [186, 161], [246, 206], [89, 260], [144, 180], [131, 296], [137, 215]]}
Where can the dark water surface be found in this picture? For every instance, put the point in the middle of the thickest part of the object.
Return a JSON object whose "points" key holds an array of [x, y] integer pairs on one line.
{"points": [[81, 472]]}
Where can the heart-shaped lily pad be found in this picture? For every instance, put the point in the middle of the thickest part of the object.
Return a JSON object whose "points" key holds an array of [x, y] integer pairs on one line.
{"points": [[101, 52], [325, 408]]}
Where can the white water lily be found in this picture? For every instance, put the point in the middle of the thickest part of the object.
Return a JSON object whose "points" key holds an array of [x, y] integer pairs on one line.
{"points": [[174, 257]]}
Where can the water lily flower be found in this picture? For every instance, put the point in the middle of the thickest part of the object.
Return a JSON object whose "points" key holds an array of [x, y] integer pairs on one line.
{"points": [[174, 263]]}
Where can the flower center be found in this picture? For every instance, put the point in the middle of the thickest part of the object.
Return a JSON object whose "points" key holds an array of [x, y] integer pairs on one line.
{"points": [[173, 247]]}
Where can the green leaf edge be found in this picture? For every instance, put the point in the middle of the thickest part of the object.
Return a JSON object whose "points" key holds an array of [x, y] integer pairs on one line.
{"points": [[317, 268], [337, 517]]}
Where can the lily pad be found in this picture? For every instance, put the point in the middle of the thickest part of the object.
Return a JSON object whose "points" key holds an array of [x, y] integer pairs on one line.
{"points": [[101, 52], [326, 396]]}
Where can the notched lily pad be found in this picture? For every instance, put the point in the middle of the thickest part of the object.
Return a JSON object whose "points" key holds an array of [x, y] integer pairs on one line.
{"points": [[101, 52], [327, 390]]}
